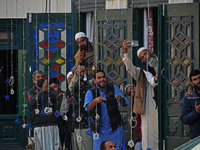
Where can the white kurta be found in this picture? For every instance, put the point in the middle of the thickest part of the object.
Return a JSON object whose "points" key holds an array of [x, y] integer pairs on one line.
{"points": [[150, 114]]}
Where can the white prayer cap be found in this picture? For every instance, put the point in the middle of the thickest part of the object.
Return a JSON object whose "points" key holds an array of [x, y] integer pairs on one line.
{"points": [[126, 87], [79, 35], [69, 73], [140, 49]]}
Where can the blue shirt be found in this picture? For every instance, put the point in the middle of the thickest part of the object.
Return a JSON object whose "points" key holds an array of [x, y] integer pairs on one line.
{"points": [[106, 132]]}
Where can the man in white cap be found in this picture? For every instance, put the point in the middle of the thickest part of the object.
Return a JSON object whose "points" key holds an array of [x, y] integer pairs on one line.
{"points": [[145, 102], [70, 75], [85, 54], [152, 60]]}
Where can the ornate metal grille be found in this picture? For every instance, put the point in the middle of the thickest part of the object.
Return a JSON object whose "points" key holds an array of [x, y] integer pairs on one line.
{"points": [[110, 36], [180, 55], [180, 64]]}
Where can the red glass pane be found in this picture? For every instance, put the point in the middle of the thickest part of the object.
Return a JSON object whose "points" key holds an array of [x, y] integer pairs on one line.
{"points": [[44, 44], [60, 44], [48, 54], [56, 67], [60, 77]]}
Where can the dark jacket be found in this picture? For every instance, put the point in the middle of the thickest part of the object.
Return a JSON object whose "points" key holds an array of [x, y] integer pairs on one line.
{"points": [[189, 115], [42, 119], [79, 92]]}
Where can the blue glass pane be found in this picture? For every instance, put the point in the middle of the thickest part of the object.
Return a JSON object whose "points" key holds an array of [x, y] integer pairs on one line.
{"points": [[56, 33], [49, 33], [45, 25], [52, 40], [69, 35], [69, 66], [59, 25], [52, 48], [35, 66], [35, 35], [69, 52], [35, 52], [52, 73]]}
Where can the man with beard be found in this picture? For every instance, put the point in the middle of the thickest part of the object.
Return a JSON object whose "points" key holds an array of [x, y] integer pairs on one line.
{"points": [[79, 86], [102, 104], [42, 100], [64, 124], [190, 112], [85, 54], [144, 100]]}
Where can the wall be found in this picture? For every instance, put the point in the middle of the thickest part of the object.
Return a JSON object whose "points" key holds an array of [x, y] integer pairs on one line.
{"points": [[20, 8], [180, 1]]}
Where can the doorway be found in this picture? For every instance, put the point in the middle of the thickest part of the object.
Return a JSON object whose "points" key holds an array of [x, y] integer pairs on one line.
{"points": [[8, 85]]}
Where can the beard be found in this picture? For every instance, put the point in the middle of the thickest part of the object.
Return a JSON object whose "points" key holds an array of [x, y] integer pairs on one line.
{"points": [[84, 47], [197, 87], [101, 86]]}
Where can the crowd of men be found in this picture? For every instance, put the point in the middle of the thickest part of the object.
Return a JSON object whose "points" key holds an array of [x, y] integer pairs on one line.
{"points": [[88, 115]]}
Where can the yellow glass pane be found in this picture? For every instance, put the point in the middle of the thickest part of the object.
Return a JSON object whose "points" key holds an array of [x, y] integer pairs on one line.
{"points": [[60, 61], [186, 61], [118, 61], [175, 61], [45, 61], [107, 61]]}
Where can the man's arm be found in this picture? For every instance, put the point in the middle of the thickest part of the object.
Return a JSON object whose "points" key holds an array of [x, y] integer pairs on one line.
{"points": [[188, 112], [130, 68], [90, 103], [93, 103], [119, 96]]}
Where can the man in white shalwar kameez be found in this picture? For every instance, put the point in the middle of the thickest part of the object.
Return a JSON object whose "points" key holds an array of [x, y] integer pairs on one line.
{"points": [[144, 103]]}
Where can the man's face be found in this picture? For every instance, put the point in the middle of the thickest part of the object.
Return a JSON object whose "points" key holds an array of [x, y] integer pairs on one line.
{"points": [[110, 145], [82, 43], [195, 81], [143, 56], [100, 80], [38, 76], [70, 78], [131, 91], [55, 87]]}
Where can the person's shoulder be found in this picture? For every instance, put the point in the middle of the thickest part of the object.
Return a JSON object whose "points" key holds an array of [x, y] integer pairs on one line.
{"points": [[191, 96], [33, 89]]}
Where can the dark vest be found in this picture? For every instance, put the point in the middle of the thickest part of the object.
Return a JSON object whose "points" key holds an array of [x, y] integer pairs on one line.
{"points": [[112, 109]]}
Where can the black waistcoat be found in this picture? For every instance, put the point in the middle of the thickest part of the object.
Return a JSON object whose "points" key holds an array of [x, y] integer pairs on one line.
{"points": [[112, 109]]}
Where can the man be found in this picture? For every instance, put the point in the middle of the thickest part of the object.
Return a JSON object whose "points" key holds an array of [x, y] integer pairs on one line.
{"points": [[79, 87], [136, 123], [85, 54], [102, 104], [152, 60], [63, 124], [145, 102], [43, 103], [190, 112], [70, 75], [107, 145]]}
